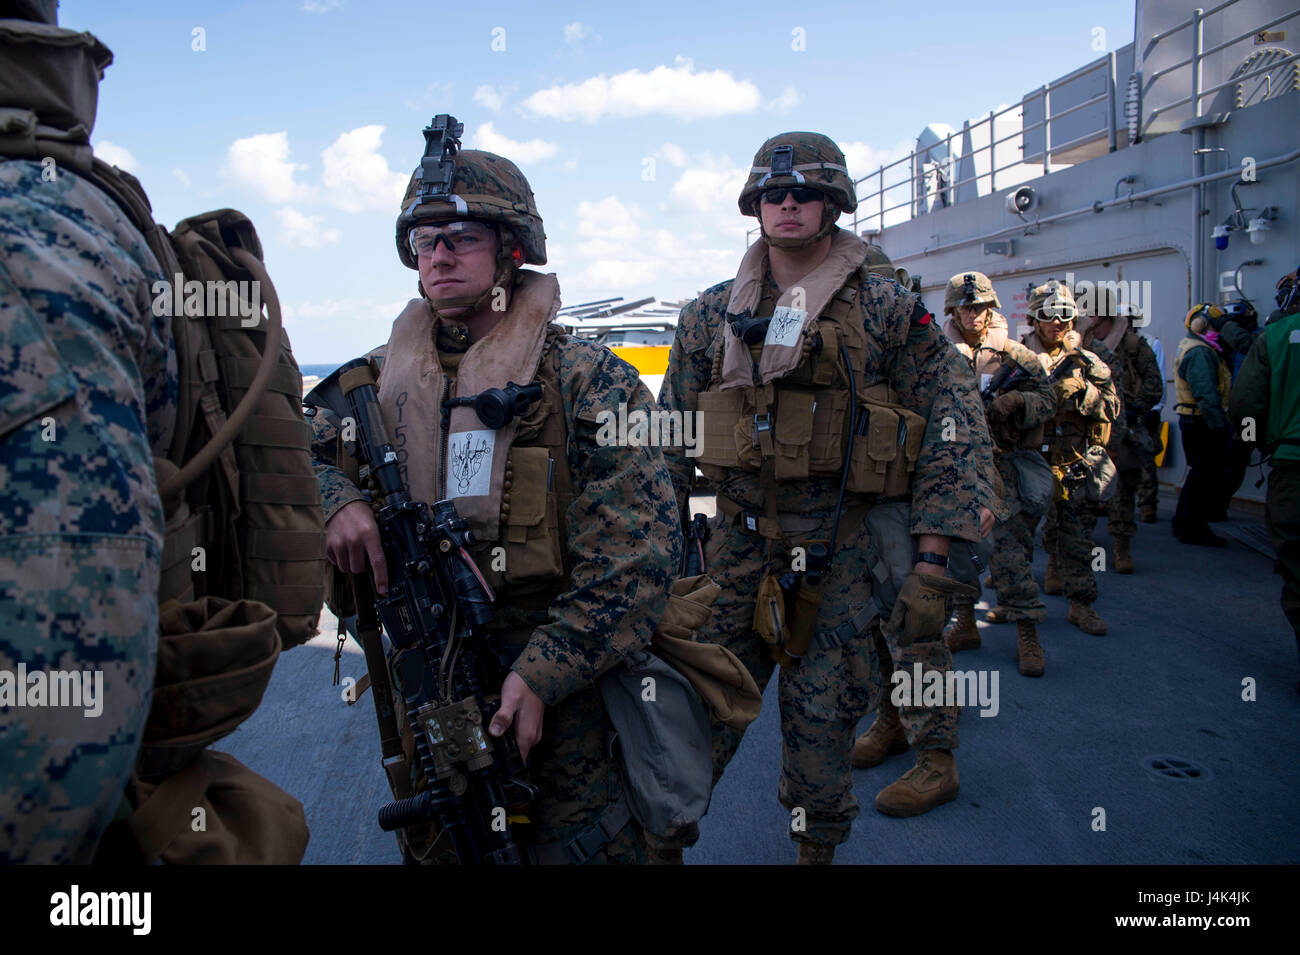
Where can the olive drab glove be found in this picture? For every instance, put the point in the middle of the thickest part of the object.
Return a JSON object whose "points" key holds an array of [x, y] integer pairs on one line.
{"points": [[922, 607], [1005, 406], [1068, 388]]}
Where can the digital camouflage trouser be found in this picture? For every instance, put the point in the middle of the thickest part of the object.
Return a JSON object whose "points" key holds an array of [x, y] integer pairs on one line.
{"points": [[822, 698], [1148, 494], [1067, 533], [1121, 515], [1012, 567]]}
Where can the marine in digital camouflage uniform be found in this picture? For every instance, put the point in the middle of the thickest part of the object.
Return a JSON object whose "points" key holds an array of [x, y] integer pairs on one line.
{"points": [[87, 395], [839, 678], [1018, 412], [893, 732], [1086, 400], [621, 537], [1140, 387]]}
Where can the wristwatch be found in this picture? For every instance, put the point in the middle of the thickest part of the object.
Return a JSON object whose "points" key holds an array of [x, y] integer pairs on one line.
{"points": [[929, 557]]}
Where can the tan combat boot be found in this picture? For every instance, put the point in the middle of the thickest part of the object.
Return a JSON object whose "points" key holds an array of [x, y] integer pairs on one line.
{"points": [[1123, 555], [1052, 578], [1029, 653], [963, 634], [884, 738], [1085, 618], [815, 853], [931, 782], [1148, 515], [997, 615]]}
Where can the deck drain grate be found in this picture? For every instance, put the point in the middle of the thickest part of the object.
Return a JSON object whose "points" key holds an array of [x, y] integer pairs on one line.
{"points": [[1175, 767]]}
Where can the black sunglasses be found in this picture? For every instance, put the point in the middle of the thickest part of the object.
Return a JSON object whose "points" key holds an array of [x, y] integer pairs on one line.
{"points": [[801, 194]]}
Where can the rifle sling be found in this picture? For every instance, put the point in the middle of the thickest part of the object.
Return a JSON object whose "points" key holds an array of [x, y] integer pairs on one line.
{"points": [[587, 843], [390, 737]]}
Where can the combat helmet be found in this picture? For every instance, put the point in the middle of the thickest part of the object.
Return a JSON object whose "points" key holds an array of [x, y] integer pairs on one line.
{"points": [[878, 263], [1052, 299], [969, 288], [800, 159], [479, 185]]}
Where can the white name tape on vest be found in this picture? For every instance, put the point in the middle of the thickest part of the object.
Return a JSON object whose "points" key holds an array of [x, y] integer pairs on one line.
{"points": [[469, 463], [785, 326]]}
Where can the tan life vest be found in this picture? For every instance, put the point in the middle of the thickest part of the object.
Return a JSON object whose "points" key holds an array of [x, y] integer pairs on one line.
{"points": [[1187, 403], [800, 422], [521, 540], [1073, 434], [987, 358]]}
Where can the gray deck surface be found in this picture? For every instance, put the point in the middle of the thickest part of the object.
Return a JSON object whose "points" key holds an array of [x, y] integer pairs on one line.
{"points": [[1185, 630]]}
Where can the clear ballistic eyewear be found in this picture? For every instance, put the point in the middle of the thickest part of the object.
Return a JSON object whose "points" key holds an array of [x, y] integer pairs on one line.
{"points": [[461, 237]]}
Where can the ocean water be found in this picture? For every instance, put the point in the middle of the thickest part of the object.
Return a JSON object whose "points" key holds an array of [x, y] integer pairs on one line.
{"points": [[320, 371]]}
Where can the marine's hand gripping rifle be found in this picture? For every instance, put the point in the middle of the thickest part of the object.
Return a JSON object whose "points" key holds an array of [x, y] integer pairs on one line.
{"points": [[439, 604]]}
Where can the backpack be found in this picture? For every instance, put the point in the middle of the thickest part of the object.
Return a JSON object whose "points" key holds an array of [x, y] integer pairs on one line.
{"points": [[243, 554]]}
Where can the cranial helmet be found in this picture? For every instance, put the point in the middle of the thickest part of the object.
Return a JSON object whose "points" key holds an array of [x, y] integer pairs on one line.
{"points": [[1052, 299], [1288, 293], [800, 160], [1201, 317], [969, 288]]}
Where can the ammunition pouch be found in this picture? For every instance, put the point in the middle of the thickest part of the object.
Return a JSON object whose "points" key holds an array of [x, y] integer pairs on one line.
{"points": [[1034, 482], [722, 681]]}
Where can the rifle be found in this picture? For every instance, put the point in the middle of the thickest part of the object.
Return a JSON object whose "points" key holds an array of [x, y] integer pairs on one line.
{"points": [[1007, 375], [697, 533], [439, 605]]}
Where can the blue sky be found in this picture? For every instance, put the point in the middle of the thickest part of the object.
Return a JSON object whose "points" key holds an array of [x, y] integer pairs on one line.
{"points": [[635, 123]]}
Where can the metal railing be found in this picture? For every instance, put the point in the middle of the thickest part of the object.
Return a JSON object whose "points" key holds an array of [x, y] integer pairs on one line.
{"points": [[945, 192], [1196, 22]]}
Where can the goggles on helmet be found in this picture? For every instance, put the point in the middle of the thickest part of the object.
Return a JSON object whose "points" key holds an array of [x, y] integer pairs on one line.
{"points": [[776, 195], [462, 237], [1059, 314]]}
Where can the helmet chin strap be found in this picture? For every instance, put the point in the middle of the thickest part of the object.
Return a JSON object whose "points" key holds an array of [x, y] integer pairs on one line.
{"points": [[829, 215], [507, 267]]}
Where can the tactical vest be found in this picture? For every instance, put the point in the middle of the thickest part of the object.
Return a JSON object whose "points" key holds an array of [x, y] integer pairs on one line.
{"points": [[985, 362], [800, 424], [1281, 340], [1187, 403], [1073, 433]]}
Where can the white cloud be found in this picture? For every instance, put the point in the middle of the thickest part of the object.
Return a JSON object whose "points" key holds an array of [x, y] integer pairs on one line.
{"points": [[787, 101], [534, 150], [676, 91], [182, 176], [358, 323], [673, 154], [356, 177], [115, 155], [319, 6], [261, 163], [608, 219], [305, 231], [707, 193], [574, 32], [489, 97], [619, 253], [863, 159]]}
